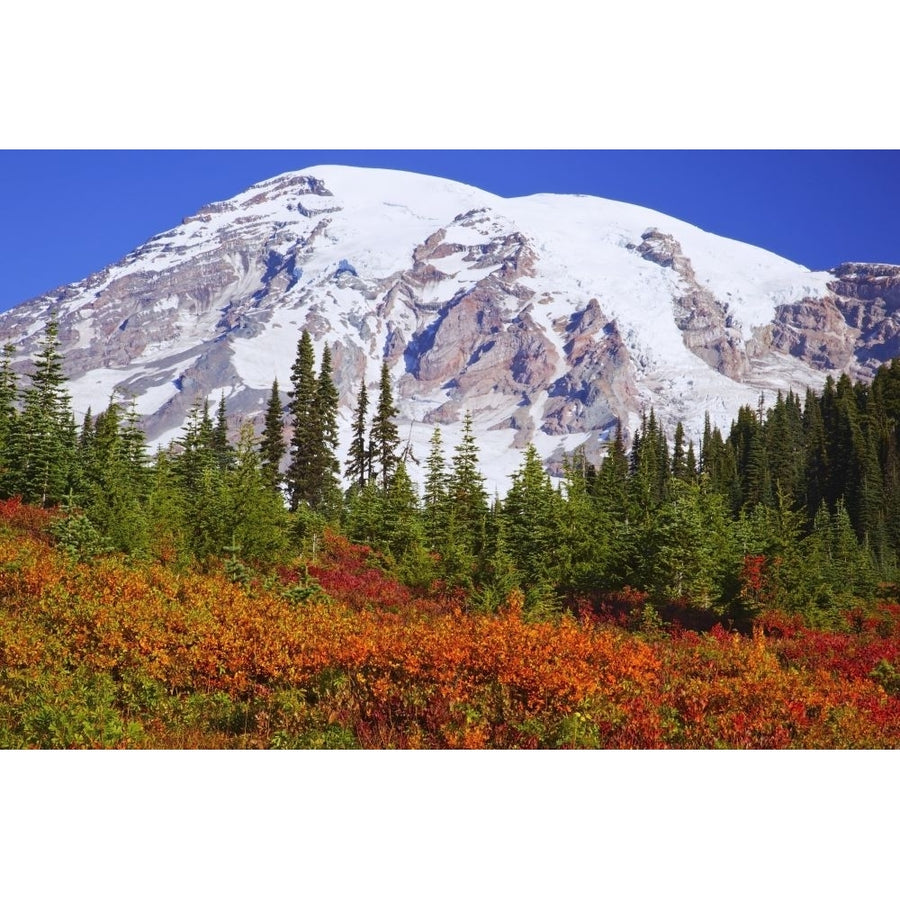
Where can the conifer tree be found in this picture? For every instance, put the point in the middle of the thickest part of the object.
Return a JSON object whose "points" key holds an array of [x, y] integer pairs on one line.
{"points": [[679, 463], [300, 477], [326, 469], [357, 467], [115, 480], [9, 392], [197, 451], [465, 486], [434, 501], [222, 448], [384, 437], [588, 538], [610, 488], [532, 523], [272, 446], [686, 550], [254, 515], [45, 438]]}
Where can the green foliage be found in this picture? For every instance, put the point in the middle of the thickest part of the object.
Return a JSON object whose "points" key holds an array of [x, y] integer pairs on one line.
{"points": [[384, 438], [78, 537], [272, 445], [358, 462], [305, 437], [43, 441]]}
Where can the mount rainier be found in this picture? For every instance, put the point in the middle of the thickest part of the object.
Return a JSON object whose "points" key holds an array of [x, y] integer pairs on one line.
{"points": [[548, 317]]}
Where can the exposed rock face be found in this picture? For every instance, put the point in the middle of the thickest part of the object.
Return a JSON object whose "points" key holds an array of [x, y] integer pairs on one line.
{"points": [[707, 328], [550, 319], [816, 332], [868, 297]]}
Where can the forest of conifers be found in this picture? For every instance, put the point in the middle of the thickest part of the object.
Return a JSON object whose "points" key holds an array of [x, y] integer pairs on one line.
{"points": [[227, 592]]}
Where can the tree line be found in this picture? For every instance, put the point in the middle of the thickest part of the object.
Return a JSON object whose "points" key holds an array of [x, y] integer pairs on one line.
{"points": [[797, 507]]}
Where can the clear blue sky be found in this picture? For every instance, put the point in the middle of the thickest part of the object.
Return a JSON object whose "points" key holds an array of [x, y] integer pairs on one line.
{"points": [[68, 213]]}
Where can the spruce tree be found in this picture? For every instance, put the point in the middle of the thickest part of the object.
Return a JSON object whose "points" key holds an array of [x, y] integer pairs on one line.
{"points": [[466, 495], [357, 467], [272, 446], [326, 468], [532, 523], [115, 480], [9, 392], [255, 518], [222, 448], [434, 501], [45, 437], [384, 438], [300, 477]]}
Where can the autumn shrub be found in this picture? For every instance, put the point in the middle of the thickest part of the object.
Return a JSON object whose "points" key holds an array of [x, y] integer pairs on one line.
{"points": [[109, 653]]}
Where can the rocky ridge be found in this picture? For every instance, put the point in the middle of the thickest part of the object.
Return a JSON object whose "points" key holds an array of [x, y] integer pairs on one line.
{"points": [[549, 318]]}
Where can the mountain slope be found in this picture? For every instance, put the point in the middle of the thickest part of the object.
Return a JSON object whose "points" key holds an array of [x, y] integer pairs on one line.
{"points": [[549, 317]]}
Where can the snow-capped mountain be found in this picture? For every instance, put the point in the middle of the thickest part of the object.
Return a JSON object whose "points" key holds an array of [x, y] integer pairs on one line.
{"points": [[548, 317]]}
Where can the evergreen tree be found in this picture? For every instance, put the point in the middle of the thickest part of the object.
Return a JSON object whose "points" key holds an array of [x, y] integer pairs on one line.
{"points": [[222, 448], [588, 540], [532, 521], [197, 450], [465, 485], [272, 446], [9, 392], [305, 439], [384, 437], [434, 500], [650, 467], [687, 551], [255, 519], [167, 511], [679, 462], [114, 472], [326, 469], [357, 468], [610, 488], [44, 441]]}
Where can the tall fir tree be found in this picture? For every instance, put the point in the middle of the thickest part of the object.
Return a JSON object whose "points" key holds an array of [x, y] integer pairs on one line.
{"points": [[384, 438], [434, 500], [272, 445], [465, 490], [357, 468], [326, 468], [45, 438], [300, 476], [9, 393], [222, 448]]}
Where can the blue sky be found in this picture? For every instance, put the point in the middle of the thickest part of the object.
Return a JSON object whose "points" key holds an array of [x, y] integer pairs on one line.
{"points": [[68, 213]]}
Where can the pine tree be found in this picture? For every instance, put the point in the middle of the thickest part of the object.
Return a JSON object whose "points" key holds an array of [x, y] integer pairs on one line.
{"points": [[326, 469], [300, 477], [679, 463], [115, 480], [687, 551], [610, 488], [357, 460], [384, 437], [197, 451], [45, 438], [254, 514], [587, 539], [465, 486], [9, 392], [222, 448], [532, 521], [272, 446], [434, 501]]}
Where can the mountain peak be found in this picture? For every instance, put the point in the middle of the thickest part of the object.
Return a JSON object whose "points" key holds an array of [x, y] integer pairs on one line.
{"points": [[550, 318]]}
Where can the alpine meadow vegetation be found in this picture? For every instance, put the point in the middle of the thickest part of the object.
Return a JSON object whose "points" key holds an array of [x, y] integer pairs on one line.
{"points": [[228, 592]]}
